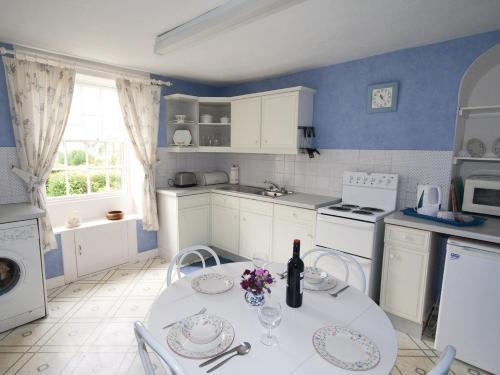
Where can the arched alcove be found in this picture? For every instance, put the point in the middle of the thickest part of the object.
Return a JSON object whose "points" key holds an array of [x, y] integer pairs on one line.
{"points": [[479, 115]]}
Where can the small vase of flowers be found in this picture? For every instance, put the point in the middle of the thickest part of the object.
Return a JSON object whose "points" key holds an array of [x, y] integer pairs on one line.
{"points": [[255, 283]]}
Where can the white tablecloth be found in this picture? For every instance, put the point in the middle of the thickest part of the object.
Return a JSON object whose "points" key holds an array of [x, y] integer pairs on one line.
{"points": [[295, 353]]}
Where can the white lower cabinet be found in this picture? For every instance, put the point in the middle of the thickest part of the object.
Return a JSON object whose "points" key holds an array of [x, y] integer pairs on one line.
{"points": [[101, 247], [184, 221], [407, 273], [225, 228], [256, 227], [291, 223]]}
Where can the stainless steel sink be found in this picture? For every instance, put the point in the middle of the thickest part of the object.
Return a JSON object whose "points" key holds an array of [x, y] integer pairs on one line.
{"points": [[254, 190]]}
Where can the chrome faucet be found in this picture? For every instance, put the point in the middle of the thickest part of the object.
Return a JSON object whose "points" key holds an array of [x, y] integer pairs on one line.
{"points": [[273, 186]]}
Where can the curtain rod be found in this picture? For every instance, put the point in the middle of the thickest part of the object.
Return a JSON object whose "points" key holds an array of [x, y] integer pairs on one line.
{"points": [[158, 82]]}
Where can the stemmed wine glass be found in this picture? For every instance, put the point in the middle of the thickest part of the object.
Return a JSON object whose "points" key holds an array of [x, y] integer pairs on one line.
{"points": [[270, 317], [260, 259]]}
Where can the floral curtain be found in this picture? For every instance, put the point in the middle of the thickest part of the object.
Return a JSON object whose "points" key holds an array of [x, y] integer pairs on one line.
{"points": [[140, 104], [40, 99]]}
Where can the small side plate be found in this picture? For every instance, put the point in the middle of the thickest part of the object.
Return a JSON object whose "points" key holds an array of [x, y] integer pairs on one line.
{"points": [[212, 283]]}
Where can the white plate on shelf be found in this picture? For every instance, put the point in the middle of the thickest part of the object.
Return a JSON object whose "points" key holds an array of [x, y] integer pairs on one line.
{"points": [[212, 283], [182, 137], [346, 348], [185, 348]]}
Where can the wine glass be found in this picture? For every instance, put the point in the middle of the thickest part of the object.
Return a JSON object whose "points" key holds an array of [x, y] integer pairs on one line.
{"points": [[270, 317], [260, 259]]}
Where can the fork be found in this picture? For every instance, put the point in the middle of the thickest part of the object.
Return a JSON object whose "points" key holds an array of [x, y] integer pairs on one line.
{"points": [[282, 275], [202, 311], [339, 291]]}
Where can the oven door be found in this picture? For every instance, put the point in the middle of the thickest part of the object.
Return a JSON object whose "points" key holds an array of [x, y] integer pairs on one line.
{"points": [[482, 196], [348, 235]]}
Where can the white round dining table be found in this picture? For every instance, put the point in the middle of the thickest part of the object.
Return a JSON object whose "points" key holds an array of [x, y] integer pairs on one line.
{"points": [[295, 353]]}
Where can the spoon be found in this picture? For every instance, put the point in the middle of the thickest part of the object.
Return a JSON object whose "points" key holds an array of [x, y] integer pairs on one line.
{"points": [[232, 350], [240, 350]]}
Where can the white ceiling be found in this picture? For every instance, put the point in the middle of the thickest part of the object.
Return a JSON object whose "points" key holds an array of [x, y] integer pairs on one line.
{"points": [[311, 34]]}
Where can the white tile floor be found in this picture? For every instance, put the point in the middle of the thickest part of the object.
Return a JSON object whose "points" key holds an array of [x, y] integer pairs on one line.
{"points": [[89, 329]]}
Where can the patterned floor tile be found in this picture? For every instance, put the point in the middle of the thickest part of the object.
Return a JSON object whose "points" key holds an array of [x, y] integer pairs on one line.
{"points": [[111, 290], [27, 334], [72, 334], [46, 364], [7, 360], [76, 290], [98, 363]]}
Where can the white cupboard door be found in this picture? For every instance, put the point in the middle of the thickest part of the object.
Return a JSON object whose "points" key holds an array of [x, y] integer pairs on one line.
{"points": [[245, 123], [194, 226], [285, 231], [101, 247], [225, 228], [403, 281], [256, 231], [280, 120]]}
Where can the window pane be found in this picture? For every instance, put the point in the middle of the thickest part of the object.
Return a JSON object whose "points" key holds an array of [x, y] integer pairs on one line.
{"points": [[91, 100], [92, 127], [56, 184], [59, 162], [78, 183], [76, 154], [115, 180], [97, 154], [115, 154], [98, 181]]}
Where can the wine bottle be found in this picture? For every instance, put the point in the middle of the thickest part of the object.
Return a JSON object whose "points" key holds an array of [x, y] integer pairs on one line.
{"points": [[295, 278]]}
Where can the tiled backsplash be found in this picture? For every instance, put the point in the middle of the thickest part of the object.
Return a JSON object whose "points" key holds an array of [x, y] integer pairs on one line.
{"points": [[321, 175]]}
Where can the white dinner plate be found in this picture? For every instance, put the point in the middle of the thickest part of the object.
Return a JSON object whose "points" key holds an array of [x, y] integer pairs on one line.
{"points": [[185, 348], [212, 283], [328, 283], [346, 348]]}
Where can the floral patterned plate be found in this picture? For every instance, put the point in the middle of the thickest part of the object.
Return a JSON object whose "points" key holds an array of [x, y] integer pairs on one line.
{"points": [[185, 348], [346, 348], [212, 283], [328, 283]]}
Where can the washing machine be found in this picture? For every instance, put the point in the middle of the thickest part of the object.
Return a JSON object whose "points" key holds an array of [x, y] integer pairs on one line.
{"points": [[22, 291]]}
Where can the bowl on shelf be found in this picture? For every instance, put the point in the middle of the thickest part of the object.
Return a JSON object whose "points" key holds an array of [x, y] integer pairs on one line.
{"points": [[205, 118], [114, 215], [180, 118], [224, 120]]}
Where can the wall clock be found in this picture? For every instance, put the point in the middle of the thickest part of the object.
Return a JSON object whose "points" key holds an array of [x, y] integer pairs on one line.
{"points": [[383, 97]]}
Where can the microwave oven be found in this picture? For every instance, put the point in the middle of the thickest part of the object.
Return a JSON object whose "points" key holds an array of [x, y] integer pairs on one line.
{"points": [[482, 195]]}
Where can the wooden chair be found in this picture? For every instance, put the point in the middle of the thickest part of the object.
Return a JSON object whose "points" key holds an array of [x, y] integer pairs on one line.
{"points": [[348, 261], [179, 258], [167, 361]]}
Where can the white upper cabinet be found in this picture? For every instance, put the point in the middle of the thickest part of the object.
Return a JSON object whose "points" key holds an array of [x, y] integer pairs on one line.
{"points": [[279, 120], [246, 119], [264, 122]]}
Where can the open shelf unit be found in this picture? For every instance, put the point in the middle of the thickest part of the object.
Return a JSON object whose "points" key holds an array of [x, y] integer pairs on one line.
{"points": [[206, 137], [486, 110]]}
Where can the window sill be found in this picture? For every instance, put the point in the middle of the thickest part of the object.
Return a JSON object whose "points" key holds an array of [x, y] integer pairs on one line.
{"points": [[95, 222]]}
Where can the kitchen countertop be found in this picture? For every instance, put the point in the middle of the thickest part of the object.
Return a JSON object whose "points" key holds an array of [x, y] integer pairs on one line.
{"points": [[18, 212], [301, 200], [489, 231]]}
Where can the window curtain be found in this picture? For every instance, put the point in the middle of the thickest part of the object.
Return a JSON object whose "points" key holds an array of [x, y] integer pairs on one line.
{"points": [[40, 99], [140, 104]]}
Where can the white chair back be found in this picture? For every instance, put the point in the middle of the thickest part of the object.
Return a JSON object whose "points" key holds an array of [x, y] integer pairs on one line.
{"points": [[179, 258], [167, 361], [445, 361], [348, 261]]}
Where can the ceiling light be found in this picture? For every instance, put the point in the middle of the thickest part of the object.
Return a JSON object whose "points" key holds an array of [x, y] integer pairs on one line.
{"points": [[223, 18]]}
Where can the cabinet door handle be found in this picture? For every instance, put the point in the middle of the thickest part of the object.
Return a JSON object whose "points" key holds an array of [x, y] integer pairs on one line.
{"points": [[391, 256], [408, 238], [80, 249], [256, 141], [244, 219], [265, 140], [294, 214]]}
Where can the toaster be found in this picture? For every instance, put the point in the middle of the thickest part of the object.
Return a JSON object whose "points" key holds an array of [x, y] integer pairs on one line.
{"points": [[183, 179]]}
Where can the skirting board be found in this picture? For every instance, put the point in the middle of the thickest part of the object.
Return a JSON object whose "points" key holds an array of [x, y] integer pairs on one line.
{"points": [[54, 282]]}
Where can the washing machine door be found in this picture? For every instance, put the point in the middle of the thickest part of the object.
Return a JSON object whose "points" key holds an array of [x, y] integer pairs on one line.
{"points": [[12, 273]]}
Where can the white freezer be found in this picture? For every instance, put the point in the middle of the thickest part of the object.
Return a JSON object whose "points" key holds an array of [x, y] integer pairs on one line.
{"points": [[469, 312]]}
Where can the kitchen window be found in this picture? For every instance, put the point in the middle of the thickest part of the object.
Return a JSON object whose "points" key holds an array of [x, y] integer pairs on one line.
{"points": [[91, 159]]}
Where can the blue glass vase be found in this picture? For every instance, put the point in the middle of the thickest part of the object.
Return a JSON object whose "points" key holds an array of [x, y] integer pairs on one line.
{"points": [[254, 299]]}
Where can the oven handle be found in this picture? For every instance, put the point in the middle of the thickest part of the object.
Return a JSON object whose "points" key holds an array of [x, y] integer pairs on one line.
{"points": [[345, 222]]}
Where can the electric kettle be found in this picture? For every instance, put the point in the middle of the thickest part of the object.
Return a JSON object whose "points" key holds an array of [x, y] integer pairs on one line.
{"points": [[428, 199]]}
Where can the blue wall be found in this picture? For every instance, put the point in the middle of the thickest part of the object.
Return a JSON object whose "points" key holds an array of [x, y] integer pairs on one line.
{"points": [[146, 240], [54, 261], [429, 78], [6, 132]]}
